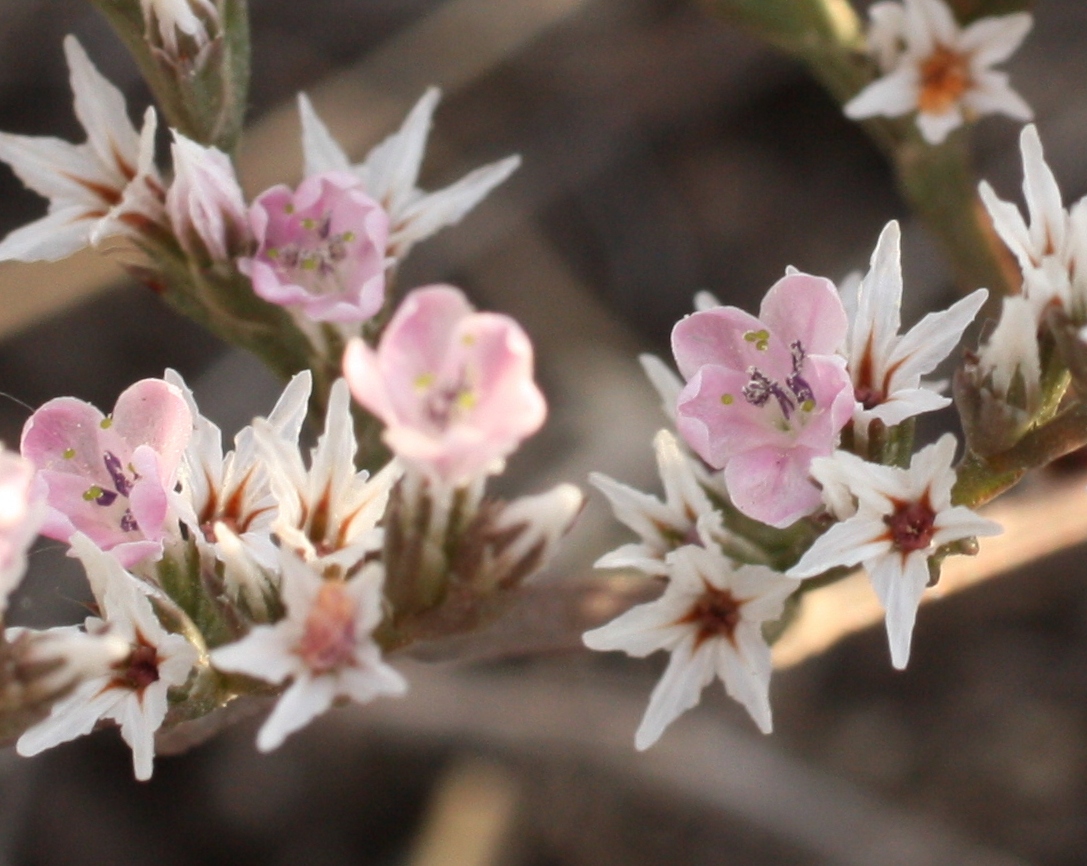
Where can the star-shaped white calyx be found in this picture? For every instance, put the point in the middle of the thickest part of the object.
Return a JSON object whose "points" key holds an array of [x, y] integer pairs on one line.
{"points": [[106, 187], [902, 517], [1051, 247], [324, 645], [886, 367], [938, 69], [133, 692], [710, 619], [391, 170], [686, 516], [328, 514]]}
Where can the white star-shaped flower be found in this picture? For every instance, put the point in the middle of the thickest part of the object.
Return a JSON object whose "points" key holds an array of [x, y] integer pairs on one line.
{"points": [[324, 645], [133, 692], [327, 514], [886, 367], [391, 170], [902, 517], [710, 619], [105, 187], [940, 70], [226, 500], [1050, 248], [686, 516]]}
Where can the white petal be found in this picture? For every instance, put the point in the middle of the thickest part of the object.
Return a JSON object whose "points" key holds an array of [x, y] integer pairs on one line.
{"points": [[101, 109], [641, 630], [264, 653], [391, 168], [306, 699], [1009, 224], [899, 586], [745, 670], [932, 339], [1044, 204], [664, 380], [72, 717], [844, 544], [992, 94], [905, 404], [434, 211], [993, 39], [960, 522], [57, 169], [936, 127], [364, 684], [320, 152], [139, 718], [679, 689], [49, 239], [890, 96]]}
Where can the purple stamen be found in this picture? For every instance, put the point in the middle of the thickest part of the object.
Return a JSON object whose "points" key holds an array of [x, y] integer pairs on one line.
{"points": [[795, 382], [113, 467], [761, 388], [128, 521], [106, 498]]}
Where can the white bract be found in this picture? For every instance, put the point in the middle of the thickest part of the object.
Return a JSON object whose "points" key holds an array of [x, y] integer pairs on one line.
{"points": [[886, 367], [324, 645], [710, 619], [938, 69], [106, 187], [133, 691], [901, 518], [390, 173]]}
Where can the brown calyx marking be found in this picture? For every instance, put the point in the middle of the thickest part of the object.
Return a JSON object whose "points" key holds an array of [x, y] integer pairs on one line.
{"points": [[715, 614], [912, 524]]}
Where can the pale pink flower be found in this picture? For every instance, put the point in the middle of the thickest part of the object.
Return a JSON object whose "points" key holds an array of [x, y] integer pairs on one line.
{"points": [[324, 645], [453, 386], [765, 395], [110, 476], [938, 69], [321, 248], [22, 509], [204, 202], [132, 691]]}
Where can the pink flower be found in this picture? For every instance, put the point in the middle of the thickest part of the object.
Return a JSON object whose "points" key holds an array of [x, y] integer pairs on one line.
{"points": [[109, 477], [320, 248], [21, 511], [453, 386], [764, 396]]}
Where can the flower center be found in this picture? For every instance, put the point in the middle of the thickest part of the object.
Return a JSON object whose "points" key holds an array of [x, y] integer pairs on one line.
{"points": [[105, 497], [795, 391], [140, 669], [328, 638], [715, 614], [446, 402], [317, 254], [945, 77], [912, 525]]}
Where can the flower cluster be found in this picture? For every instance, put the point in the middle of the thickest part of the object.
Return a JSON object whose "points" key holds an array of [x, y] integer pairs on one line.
{"points": [[790, 418]]}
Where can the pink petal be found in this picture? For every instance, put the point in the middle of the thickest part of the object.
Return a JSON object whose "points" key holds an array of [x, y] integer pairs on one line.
{"points": [[772, 485], [806, 308]]}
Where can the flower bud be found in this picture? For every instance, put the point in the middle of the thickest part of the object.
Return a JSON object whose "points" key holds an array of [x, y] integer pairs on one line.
{"points": [[998, 390], [204, 203], [184, 27]]}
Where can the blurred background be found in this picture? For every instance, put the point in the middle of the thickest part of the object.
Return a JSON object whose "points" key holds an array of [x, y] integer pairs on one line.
{"points": [[665, 151]]}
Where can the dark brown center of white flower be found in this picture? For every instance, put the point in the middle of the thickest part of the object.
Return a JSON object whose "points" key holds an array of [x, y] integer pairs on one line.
{"points": [[140, 669], [912, 525], [715, 614]]}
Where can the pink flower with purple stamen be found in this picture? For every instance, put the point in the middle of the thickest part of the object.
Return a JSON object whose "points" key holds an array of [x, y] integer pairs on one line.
{"points": [[765, 395], [109, 476], [453, 386], [320, 249]]}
